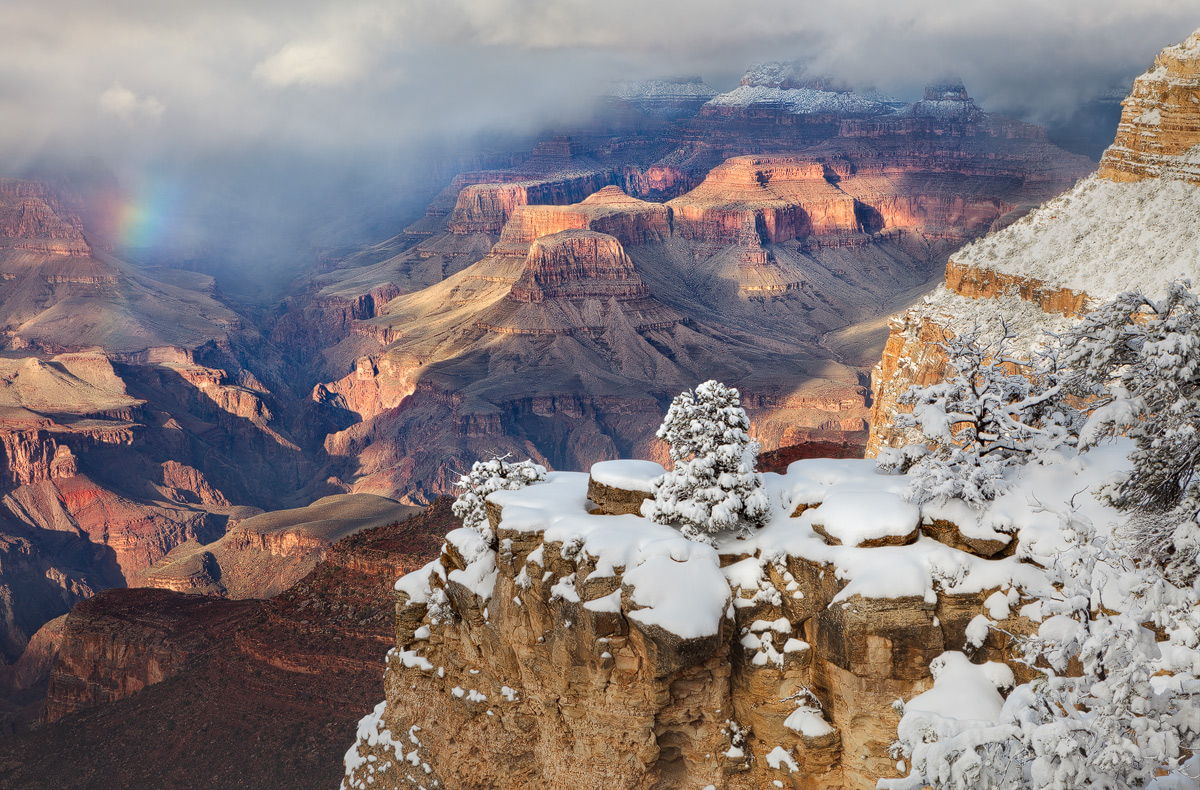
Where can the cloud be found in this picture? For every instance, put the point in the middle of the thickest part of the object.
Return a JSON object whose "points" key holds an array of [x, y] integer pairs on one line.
{"points": [[310, 64], [369, 87], [378, 74], [122, 103]]}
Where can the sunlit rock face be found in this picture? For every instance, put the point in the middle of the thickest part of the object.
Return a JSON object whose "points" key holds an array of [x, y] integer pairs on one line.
{"points": [[591, 648], [1131, 226], [551, 312], [1160, 121]]}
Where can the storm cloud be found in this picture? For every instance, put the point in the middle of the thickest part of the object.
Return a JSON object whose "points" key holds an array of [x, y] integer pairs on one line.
{"points": [[140, 83]]}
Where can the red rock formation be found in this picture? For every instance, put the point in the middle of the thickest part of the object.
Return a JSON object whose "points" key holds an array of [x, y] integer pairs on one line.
{"points": [[577, 265], [609, 210], [772, 198], [32, 220], [484, 208]]}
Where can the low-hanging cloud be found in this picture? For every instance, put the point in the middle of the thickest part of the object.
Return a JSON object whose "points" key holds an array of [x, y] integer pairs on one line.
{"points": [[392, 72], [140, 83]]}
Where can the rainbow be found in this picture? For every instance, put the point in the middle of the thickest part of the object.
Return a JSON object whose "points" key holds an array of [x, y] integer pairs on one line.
{"points": [[143, 216]]}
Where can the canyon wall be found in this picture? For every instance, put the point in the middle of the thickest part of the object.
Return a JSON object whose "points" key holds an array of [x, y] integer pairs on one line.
{"points": [[1087, 246]]}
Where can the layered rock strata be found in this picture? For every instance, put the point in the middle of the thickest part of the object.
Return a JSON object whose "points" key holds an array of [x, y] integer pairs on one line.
{"points": [[1084, 247], [591, 650], [1160, 121]]}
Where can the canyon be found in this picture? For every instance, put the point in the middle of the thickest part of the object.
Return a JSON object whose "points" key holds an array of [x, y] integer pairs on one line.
{"points": [[219, 692], [158, 434], [584, 646], [447, 343]]}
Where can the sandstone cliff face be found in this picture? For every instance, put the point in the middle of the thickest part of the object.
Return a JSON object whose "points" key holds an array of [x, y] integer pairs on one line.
{"points": [[1161, 118], [609, 210], [1085, 246], [550, 663], [773, 198], [32, 220], [484, 208]]}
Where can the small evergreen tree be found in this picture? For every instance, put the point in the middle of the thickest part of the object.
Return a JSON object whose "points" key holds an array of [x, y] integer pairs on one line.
{"points": [[494, 474], [713, 485], [993, 411], [1138, 360]]}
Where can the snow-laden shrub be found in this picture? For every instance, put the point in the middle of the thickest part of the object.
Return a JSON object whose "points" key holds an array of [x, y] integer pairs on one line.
{"points": [[1130, 711], [1139, 360], [713, 486], [992, 412], [494, 474]]}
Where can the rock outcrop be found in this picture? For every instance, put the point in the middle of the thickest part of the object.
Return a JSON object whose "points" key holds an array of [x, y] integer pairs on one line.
{"points": [[1161, 119], [772, 199], [264, 554], [574, 655], [1084, 247], [484, 208]]}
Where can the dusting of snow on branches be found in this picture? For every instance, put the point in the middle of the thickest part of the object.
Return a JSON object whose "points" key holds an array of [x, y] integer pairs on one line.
{"points": [[494, 474], [1139, 360], [991, 413], [713, 486], [1111, 707]]}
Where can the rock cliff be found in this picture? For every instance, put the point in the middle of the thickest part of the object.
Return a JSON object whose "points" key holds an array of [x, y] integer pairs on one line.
{"points": [[1086, 246], [1160, 121], [589, 650]]}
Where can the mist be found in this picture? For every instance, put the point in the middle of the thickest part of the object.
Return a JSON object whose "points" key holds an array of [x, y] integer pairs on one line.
{"points": [[275, 129]]}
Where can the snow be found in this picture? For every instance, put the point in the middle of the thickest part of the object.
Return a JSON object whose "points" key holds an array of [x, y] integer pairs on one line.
{"points": [[480, 574], [810, 481], [780, 758], [1101, 237], [855, 517], [661, 90], [944, 109], [808, 723], [675, 583], [628, 475], [802, 101], [961, 690], [371, 732]]}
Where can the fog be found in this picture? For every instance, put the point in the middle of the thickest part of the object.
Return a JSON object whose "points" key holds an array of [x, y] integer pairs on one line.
{"points": [[264, 118]]}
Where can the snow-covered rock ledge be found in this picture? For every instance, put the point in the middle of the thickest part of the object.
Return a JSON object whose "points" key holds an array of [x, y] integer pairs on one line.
{"points": [[588, 650]]}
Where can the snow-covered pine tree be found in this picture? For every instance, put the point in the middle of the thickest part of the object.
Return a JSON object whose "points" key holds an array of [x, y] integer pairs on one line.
{"points": [[1129, 711], [493, 474], [991, 412], [714, 485], [1139, 360]]}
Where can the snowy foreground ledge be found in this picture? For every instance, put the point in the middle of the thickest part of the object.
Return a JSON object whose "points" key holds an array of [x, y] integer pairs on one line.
{"points": [[772, 660]]}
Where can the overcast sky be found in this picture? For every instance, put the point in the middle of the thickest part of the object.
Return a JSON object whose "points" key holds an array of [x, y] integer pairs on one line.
{"points": [[149, 84], [161, 77]]}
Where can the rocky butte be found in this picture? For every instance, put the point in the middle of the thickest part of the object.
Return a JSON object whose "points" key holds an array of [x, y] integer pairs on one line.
{"points": [[592, 648]]}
